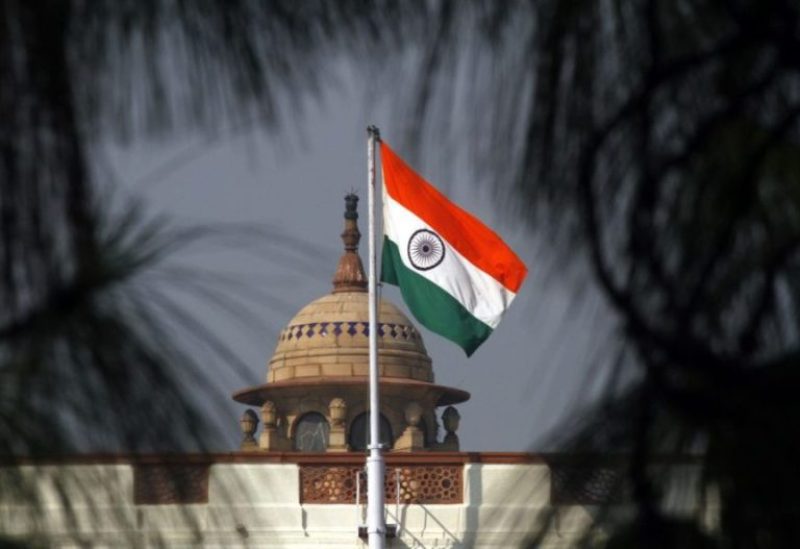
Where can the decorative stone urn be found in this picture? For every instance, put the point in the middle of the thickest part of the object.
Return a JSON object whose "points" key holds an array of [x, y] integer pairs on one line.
{"points": [[248, 424], [451, 419]]}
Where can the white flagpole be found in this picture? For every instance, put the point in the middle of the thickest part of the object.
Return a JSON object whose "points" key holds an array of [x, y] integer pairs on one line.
{"points": [[376, 526]]}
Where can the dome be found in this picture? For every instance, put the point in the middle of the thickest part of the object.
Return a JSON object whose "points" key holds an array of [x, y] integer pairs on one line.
{"points": [[329, 338], [314, 395]]}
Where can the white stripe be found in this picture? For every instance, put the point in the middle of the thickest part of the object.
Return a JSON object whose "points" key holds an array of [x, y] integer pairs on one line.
{"points": [[483, 296]]}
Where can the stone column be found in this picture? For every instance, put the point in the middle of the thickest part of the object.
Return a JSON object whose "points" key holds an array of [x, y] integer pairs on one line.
{"points": [[337, 440], [270, 438], [412, 439]]}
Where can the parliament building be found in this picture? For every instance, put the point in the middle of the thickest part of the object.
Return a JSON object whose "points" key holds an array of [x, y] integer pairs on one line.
{"points": [[297, 480]]}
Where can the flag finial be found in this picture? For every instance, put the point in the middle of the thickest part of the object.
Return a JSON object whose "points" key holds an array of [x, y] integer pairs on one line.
{"points": [[373, 130]]}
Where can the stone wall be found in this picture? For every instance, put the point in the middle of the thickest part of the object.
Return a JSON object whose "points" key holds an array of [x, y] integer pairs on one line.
{"points": [[283, 500]]}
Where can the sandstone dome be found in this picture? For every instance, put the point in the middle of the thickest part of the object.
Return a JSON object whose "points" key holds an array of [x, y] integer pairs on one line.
{"points": [[329, 337], [317, 378]]}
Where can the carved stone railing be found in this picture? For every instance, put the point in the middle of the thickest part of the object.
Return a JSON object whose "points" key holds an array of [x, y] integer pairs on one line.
{"points": [[169, 483], [586, 485], [417, 483]]}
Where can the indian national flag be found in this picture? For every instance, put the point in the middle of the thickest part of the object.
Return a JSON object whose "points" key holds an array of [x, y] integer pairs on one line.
{"points": [[456, 275]]}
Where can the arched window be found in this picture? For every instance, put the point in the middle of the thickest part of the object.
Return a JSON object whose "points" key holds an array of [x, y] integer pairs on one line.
{"points": [[311, 433], [359, 432]]}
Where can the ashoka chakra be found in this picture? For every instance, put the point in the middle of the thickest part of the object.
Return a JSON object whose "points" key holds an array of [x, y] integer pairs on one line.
{"points": [[425, 249]]}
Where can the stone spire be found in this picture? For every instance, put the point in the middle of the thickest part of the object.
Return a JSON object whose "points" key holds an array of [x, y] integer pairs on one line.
{"points": [[350, 275]]}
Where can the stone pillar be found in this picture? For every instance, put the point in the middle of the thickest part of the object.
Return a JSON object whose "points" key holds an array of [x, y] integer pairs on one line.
{"points": [[337, 440], [451, 419], [270, 438], [412, 439], [248, 423]]}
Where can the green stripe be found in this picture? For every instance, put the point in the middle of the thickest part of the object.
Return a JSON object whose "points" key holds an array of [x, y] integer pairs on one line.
{"points": [[433, 307]]}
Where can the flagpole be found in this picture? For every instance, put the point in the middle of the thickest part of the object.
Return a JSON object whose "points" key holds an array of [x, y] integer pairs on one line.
{"points": [[376, 527]]}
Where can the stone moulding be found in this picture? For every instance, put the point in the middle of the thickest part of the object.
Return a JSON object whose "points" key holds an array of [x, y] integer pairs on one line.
{"points": [[352, 328], [426, 477]]}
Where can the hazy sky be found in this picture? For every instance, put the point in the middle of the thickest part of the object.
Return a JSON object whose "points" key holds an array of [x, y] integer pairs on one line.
{"points": [[540, 363]]}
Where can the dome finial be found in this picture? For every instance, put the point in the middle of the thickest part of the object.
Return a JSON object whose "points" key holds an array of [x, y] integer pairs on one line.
{"points": [[351, 206], [350, 275]]}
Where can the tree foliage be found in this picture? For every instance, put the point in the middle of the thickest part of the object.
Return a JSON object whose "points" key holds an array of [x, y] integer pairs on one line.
{"points": [[76, 73], [663, 137], [660, 139]]}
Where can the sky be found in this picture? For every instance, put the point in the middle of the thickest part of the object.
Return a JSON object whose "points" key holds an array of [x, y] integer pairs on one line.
{"points": [[545, 361]]}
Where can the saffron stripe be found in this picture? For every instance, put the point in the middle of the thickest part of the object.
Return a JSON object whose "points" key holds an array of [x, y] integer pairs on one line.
{"points": [[480, 294], [432, 307], [463, 231]]}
